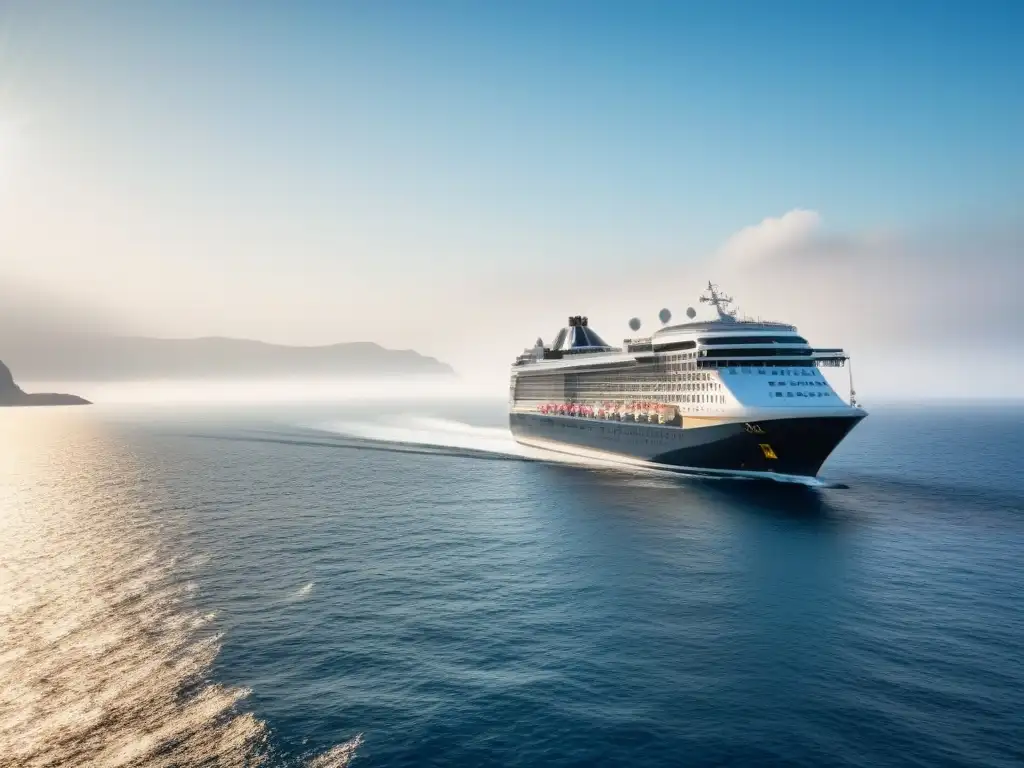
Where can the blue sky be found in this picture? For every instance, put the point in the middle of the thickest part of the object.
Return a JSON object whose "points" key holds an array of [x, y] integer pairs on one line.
{"points": [[471, 143], [872, 111]]}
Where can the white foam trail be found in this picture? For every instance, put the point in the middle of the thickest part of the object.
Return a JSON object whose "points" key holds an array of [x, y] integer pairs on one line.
{"points": [[446, 433], [440, 433], [303, 591]]}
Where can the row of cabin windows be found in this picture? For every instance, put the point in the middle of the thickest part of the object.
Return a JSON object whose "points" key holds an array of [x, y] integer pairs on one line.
{"points": [[714, 340], [681, 362], [612, 393], [634, 379], [759, 352], [703, 398], [797, 371], [747, 364], [723, 340], [677, 345], [816, 393], [645, 379], [635, 382]]}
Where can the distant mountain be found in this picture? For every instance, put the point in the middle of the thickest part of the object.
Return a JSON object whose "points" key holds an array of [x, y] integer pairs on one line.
{"points": [[97, 357], [12, 394]]}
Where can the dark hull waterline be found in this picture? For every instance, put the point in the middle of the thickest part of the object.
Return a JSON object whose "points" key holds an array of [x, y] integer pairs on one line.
{"points": [[786, 448]]}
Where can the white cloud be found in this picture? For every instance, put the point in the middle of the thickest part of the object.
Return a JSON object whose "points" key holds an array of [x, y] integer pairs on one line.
{"points": [[918, 294], [773, 237]]}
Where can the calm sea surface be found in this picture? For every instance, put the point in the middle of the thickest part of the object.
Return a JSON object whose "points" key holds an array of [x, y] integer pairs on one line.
{"points": [[277, 585]]}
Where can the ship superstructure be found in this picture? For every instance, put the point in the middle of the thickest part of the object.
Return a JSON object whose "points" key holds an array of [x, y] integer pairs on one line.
{"points": [[722, 395]]}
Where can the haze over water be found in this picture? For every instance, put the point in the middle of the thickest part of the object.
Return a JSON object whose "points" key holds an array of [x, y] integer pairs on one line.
{"points": [[215, 217], [211, 585]]}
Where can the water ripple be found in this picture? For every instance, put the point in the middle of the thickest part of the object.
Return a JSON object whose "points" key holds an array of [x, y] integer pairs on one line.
{"points": [[105, 659]]}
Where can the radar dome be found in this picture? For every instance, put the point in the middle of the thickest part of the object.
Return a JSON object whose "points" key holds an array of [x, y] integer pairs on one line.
{"points": [[634, 324], [664, 316], [691, 312]]}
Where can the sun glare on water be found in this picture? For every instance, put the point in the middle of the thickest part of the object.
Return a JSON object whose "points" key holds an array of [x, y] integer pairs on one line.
{"points": [[105, 658]]}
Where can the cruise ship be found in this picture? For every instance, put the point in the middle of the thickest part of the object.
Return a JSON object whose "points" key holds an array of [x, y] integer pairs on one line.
{"points": [[723, 396]]}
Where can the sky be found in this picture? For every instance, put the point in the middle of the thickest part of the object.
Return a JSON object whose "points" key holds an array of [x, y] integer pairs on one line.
{"points": [[458, 177]]}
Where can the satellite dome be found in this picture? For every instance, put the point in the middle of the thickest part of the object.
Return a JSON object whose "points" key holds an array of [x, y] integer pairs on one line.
{"points": [[691, 312], [634, 324], [664, 316]]}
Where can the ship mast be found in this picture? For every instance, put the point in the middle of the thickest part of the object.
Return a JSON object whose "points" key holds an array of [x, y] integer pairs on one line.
{"points": [[720, 302], [853, 393]]}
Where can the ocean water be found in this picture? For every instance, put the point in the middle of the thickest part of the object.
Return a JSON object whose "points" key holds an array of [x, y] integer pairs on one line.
{"points": [[400, 585]]}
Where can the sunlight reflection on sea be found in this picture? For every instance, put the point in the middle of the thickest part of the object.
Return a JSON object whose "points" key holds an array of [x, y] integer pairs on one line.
{"points": [[104, 660]]}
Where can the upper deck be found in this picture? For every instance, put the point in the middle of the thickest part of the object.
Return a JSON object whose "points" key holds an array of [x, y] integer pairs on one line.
{"points": [[721, 342]]}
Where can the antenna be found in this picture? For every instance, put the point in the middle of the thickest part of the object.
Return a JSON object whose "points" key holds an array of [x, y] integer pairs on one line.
{"points": [[664, 316], [634, 324], [853, 392], [719, 301], [691, 312]]}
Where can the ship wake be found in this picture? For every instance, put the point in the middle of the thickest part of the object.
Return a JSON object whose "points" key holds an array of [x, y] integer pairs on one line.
{"points": [[456, 438], [436, 433]]}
